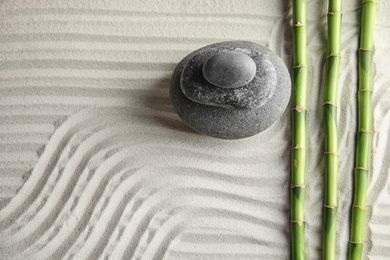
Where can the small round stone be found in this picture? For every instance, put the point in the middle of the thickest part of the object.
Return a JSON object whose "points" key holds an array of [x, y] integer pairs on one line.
{"points": [[229, 69]]}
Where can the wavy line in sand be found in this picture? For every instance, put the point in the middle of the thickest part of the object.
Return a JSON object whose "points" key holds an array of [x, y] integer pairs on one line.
{"points": [[71, 208]]}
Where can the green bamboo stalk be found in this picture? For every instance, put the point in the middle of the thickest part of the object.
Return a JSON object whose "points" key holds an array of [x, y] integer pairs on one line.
{"points": [[363, 147], [331, 132], [298, 152]]}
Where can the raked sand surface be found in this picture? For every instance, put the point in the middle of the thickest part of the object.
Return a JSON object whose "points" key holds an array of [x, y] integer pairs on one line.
{"points": [[95, 163]]}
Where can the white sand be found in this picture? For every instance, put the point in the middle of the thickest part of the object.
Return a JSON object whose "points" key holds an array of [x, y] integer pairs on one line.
{"points": [[95, 163]]}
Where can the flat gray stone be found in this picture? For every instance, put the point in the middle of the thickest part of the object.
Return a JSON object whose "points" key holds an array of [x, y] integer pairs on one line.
{"points": [[254, 94], [231, 113]]}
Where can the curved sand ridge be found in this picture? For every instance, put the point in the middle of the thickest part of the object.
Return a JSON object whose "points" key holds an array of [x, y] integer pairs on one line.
{"points": [[127, 178], [111, 191]]}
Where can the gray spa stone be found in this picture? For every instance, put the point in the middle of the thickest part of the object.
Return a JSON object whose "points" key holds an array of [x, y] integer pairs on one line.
{"points": [[229, 69], [197, 88], [234, 111]]}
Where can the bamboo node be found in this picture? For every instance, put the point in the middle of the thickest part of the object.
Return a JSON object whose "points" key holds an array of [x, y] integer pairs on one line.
{"points": [[354, 242], [334, 13], [359, 207], [300, 66], [298, 147], [330, 206], [299, 109], [329, 103], [299, 24], [368, 1], [300, 222], [365, 90], [364, 131], [333, 55], [363, 49], [362, 168], [292, 186], [332, 153]]}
